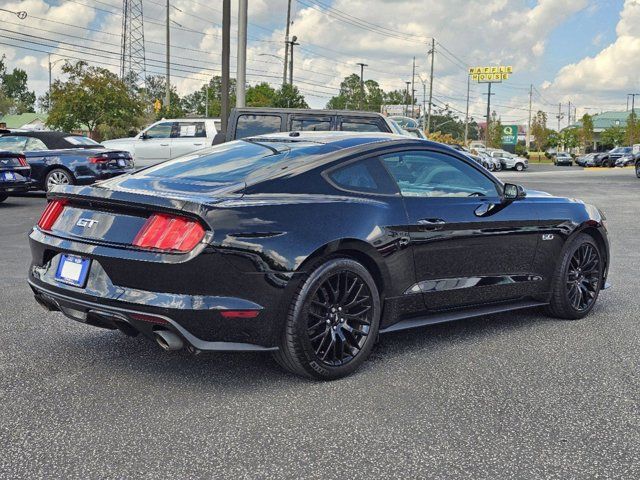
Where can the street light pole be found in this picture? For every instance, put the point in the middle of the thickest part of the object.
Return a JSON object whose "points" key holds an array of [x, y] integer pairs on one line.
{"points": [[226, 41], [167, 95], [406, 101], [413, 91], [432, 52], [292, 43], [466, 115], [362, 65], [241, 81]]}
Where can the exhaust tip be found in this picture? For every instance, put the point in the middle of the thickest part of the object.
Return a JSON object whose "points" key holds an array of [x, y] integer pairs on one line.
{"points": [[168, 340]]}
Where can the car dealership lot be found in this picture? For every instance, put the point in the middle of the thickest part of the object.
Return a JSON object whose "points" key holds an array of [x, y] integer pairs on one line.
{"points": [[516, 395]]}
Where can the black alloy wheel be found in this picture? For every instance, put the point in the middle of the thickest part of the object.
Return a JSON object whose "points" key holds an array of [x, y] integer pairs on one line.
{"points": [[3, 197], [333, 321], [339, 319], [583, 277], [577, 280], [638, 169]]}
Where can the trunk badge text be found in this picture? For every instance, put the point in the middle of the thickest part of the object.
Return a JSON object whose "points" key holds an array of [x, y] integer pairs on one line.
{"points": [[86, 222], [547, 236]]}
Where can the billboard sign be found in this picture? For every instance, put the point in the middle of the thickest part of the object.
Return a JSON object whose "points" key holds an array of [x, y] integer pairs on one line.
{"points": [[509, 134], [490, 74]]}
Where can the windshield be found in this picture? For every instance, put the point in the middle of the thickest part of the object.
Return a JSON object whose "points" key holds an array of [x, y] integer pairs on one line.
{"points": [[621, 150], [233, 162]]}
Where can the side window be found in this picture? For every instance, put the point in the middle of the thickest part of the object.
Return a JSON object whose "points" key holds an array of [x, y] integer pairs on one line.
{"points": [[314, 124], [13, 144], [367, 176], [35, 144], [189, 130], [432, 174], [161, 130], [252, 125], [359, 125]]}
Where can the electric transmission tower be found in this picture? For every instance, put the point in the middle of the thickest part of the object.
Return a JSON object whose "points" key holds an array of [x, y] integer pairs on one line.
{"points": [[132, 61]]}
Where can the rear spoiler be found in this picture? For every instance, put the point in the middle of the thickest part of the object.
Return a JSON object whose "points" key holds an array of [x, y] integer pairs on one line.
{"points": [[196, 205]]}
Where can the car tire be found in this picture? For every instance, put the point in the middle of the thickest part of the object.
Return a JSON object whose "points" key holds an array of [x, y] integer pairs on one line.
{"points": [[638, 169], [519, 167], [58, 176], [574, 293], [318, 342], [3, 197]]}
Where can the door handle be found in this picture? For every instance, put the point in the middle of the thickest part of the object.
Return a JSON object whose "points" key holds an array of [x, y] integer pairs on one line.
{"points": [[164, 144], [198, 144]]}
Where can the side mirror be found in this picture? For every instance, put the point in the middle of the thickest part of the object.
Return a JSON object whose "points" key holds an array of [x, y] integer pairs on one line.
{"points": [[144, 136], [513, 192]]}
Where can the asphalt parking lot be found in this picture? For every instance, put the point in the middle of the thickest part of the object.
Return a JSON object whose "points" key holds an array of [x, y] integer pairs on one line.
{"points": [[516, 395]]}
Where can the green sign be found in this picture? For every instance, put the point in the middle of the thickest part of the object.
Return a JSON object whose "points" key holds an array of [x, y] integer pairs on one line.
{"points": [[509, 134]]}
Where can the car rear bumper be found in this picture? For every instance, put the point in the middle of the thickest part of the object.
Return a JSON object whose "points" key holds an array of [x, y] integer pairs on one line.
{"points": [[132, 321], [87, 178], [14, 187]]}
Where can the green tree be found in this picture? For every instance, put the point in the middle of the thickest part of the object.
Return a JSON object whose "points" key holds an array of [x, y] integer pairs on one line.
{"points": [[93, 98], [553, 139], [633, 129], [155, 89], [15, 96], [613, 136], [260, 95], [539, 130], [288, 96], [586, 132], [570, 138], [210, 93], [494, 139], [351, 95]]}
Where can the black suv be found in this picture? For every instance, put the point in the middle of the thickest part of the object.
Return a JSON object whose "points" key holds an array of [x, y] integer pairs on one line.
{"points": [[249, 122]]}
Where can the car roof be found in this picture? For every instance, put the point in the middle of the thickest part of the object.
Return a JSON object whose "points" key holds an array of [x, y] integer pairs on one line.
{"points": [[52, 139], [309, 111], [339, 139]]}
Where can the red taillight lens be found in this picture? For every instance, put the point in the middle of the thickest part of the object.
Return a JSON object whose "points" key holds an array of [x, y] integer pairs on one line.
{"points": [[169, 232], [98, 160], [51, 214], [23, 161]]}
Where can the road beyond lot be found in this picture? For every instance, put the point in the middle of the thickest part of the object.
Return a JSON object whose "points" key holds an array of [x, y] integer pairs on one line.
{"points": [[516, 395]]}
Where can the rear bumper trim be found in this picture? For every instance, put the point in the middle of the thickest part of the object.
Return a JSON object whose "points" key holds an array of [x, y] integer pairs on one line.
{"points": [[123, 315]]}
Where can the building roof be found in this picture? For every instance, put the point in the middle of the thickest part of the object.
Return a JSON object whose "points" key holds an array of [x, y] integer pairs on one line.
{"points": [[604, 120], [19, 121]]}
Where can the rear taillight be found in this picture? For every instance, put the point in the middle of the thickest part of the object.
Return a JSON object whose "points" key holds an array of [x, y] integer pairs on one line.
{"points": [[98, 159], [51, 214], [23, 160], [169, 232]]}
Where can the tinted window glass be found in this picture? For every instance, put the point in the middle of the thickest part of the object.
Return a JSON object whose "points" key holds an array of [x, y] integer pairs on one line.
{"points": [[35, 144], [359, 126], [252, 125], [162, 130], [317, 124], [13, 143], [233, 161], [189, 130], [431, 174], [366, 176]]}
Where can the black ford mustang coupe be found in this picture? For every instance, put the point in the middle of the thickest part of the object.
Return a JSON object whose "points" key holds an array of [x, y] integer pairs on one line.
{"points": [[309, 245]]}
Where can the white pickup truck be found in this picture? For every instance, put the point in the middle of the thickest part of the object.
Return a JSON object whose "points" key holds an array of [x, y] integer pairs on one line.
{"points": [[167, 139]]}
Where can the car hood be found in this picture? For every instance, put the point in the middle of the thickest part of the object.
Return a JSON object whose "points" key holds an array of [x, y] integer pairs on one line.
{"points": [[119, 140], [537, 193]]}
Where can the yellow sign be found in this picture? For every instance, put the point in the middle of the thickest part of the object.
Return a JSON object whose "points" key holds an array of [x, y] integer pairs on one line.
{"points": [[490, 74], [157, 105]]}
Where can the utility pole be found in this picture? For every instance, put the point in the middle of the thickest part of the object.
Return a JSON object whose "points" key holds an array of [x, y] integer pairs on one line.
{"points": [[241, 81], [226, 41], [286, 43], [413, 91], [488, 94], [292, 43], [424, 105], [466, 115], [529, 124], [167, 95], [49, 101], [432, 52], [633, 101], [206, 101], [362, 65], [569, 114], [406, 101]]}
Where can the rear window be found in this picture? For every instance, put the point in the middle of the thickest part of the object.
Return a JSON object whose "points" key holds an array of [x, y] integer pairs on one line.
{"points": [[314, 124], [13, 143], [81, 141], [360, 126], [232, 162], [253, 125]]}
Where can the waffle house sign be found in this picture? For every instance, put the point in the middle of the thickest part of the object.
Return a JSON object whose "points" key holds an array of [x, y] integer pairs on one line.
{"points": [[490, 74]]}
